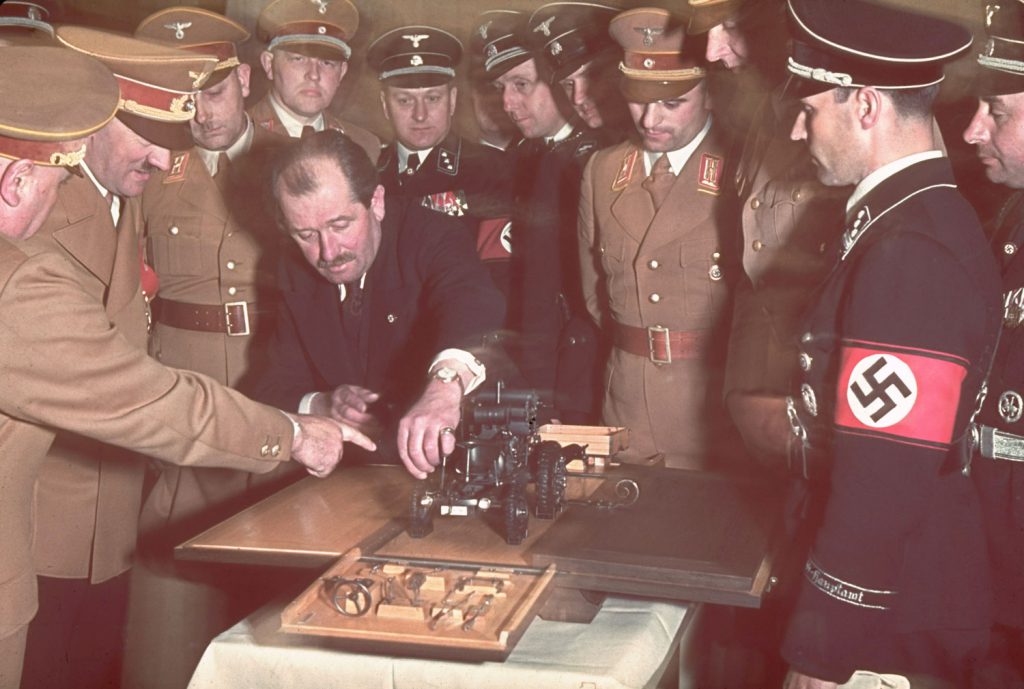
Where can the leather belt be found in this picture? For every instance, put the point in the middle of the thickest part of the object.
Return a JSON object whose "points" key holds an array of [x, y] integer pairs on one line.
{"points": [[661, 345], [235, 319], [996, 444]]}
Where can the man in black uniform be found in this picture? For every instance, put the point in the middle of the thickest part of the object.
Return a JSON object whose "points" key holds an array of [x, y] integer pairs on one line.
{"points": [[555, 348], [428, 162], [998, 131], [893, 355]]}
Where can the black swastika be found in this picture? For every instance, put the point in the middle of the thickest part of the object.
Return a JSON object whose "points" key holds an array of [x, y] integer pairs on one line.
{"points": [[879, 389]]}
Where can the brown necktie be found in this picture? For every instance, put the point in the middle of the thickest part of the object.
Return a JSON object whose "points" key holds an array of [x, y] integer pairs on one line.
{"points": [[660, 181], [223, 171]]}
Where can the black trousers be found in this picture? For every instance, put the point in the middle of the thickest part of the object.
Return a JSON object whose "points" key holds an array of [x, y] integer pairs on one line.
{"points": [[77, 638]]}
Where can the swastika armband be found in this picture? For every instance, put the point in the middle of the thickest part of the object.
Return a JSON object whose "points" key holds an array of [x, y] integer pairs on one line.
{"points": [[451, 203], [900, 394]]}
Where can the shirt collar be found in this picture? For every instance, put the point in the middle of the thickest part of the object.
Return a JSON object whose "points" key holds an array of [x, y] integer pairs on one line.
{"points": [[561, 135], [292, 122], [885, 172], [403, 155], [678, 158], [240, 147], [343, 292], [115, 202]]}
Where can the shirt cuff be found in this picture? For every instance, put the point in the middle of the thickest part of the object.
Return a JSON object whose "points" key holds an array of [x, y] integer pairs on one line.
{"points": [[306, 403], [475, 366], [296, 429]]}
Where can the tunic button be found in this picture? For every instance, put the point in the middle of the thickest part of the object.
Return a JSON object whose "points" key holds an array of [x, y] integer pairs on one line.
{"points": [[653, 264], [654, 298], [715, 272], [821, 248], [232, 291], [805, 361], [230, 265], [275, 450], [755, 203], [806, 337], [1009, 249], [797, 194], [265, 450], [392, 318], [174, 230], [757, 245]]}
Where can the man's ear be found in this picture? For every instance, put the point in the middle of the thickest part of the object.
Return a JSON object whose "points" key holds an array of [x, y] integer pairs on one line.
{"points": [[16, 181], [868, 104], [267, 61], [243, 73], [384, 105], [377, 203]]}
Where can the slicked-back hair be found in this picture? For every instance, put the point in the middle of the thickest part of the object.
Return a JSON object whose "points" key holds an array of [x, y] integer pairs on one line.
{"points": [[293, 172]]}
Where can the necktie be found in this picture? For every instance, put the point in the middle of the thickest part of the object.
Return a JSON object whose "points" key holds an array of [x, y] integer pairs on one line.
{"points": [[412, 163], [223, 171], [660, 181], [353, 304]]}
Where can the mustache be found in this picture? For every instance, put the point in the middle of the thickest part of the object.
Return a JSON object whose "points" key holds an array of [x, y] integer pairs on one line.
{"points": [[341, 260]]}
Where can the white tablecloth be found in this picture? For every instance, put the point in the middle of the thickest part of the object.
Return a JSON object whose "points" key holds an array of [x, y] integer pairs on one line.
{"points": [[627, 645]]}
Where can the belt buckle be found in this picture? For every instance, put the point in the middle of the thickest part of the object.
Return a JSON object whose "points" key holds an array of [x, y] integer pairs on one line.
{"points": [[652, 332], [245, 319]]}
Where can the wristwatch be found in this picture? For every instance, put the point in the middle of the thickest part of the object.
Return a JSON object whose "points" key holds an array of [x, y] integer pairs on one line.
{"points": [[447, 374]]}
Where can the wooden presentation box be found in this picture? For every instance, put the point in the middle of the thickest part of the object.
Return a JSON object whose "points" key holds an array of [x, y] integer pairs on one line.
{"points": [[689, 536]]}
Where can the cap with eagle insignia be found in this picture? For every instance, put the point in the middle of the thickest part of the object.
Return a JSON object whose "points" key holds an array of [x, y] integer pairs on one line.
{"points": [[25, 23], [655, 65], [567, 35], [158, 83], [1002, 55], [415, 56], [856, 43], [499, 41], [198, 31], [317, 28], [48, 125]]}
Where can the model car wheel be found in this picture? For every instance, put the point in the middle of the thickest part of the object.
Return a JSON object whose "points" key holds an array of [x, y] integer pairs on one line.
{"points": [[550, 480], [517, 514], [421, 520]]}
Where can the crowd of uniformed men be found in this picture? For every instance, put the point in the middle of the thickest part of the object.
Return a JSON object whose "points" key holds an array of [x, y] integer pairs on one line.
{"points": [[728, 225]]}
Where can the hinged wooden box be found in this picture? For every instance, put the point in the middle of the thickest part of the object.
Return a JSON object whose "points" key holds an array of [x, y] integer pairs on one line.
{"points": [[466, 612]]}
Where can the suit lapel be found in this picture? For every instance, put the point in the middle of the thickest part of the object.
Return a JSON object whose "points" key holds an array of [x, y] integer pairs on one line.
{"points": [[81, 224], [692, 199], [632, 208], [315, 303]]}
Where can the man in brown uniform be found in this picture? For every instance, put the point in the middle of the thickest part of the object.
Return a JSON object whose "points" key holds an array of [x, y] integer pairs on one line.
{"points": [[789, 223], [212, 244], [41, 137], [651, 239], [306, 59], [74, 358]]}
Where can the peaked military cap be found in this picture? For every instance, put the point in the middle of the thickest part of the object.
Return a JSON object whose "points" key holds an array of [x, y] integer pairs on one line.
{"points": [[47, 125], [415, 56], [198, 31], [25, 23], [1002, 56], [859, 43], [703, 15], [567, 35], [656, 65], [499, 41], [157, 83], [317, 28]]}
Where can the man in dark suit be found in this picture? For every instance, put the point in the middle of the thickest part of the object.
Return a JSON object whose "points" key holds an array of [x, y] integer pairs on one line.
{"points": [[997, 129], [893, 354], [381, 309], [428, 162]]}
